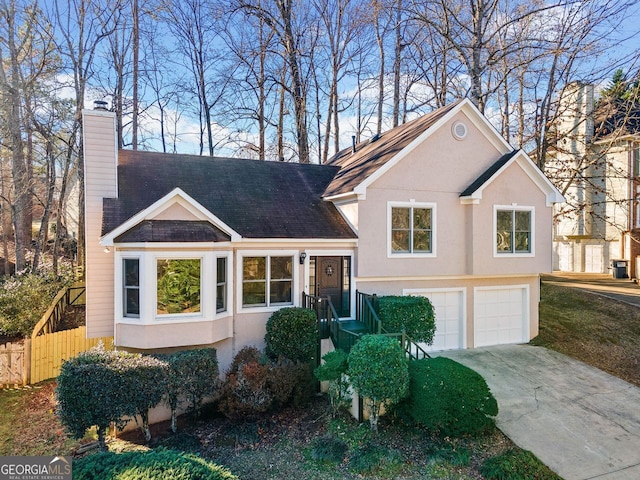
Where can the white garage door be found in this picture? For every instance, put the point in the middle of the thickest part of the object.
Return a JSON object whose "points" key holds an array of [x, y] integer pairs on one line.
{"points": [[500, 315], [448, 305], [593, 259]]}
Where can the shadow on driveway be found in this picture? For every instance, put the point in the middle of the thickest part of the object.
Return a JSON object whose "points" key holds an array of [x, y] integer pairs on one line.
{"points": [[580, 421]]}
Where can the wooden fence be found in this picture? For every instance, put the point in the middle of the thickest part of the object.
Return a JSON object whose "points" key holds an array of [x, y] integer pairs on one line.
{"points": [[14, 363], [48, 351], [40, 357]]}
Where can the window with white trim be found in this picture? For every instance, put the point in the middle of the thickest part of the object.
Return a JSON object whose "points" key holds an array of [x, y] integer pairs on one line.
{"points": [[131, 287], [221, 284], [412, 229], [514, 230], [267, 281]]}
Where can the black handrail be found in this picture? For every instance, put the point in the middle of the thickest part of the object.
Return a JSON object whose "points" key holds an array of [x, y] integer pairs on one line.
{"points": [[331, 327], [365, 305]]}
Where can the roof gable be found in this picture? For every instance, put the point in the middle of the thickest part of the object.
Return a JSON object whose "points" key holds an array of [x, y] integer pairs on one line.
{"points": [[373, 158], [473, 193], [144, 224]]}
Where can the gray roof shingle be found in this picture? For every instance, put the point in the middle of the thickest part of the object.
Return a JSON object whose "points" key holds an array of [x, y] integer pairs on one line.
{"points": [[257, 199], [372, 155]]}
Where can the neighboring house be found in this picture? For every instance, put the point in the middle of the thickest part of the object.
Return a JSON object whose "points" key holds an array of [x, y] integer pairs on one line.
{"points": [[597, 152], [441, 206]]}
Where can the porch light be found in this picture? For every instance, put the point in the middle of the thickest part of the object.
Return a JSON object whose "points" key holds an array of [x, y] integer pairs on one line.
{"points": [[303, 256]]}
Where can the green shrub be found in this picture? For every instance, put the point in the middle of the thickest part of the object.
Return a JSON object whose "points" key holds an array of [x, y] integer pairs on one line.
{"points": [[150, 465], [378, 372], [92, 391], [328, 449], [24, 299], [293, 333], [255, 385], [516, 464], [448, 398], [146, 379], [333, 370], [290, 382], [193, 375], [411, 314], [244, 390]]}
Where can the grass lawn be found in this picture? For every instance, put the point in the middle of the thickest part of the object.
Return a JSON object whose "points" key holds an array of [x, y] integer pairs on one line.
{"points": [[594, 329], [28, 423]]}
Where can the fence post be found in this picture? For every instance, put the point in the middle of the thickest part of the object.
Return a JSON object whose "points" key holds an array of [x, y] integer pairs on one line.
{"points": [[26, 372]]}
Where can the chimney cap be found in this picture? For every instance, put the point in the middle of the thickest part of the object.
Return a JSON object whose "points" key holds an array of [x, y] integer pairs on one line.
{"points": [[100, 105]]}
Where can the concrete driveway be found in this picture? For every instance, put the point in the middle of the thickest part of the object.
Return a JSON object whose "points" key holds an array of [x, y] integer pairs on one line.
{"points": [[581, 422]]}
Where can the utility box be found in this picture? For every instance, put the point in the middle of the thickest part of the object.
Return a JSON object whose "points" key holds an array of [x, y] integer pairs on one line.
{"points": [[619, 268]]}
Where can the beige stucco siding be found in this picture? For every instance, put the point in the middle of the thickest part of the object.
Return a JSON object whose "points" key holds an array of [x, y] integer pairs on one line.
{"points": [[435, 172], [100, 155], [512, 188]]}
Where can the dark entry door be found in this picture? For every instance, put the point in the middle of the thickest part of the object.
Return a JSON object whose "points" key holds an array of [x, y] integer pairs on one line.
{"points": [[329, 280]]}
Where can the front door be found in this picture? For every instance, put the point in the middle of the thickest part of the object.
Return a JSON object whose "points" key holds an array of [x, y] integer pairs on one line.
{"points": [[330, 282]]}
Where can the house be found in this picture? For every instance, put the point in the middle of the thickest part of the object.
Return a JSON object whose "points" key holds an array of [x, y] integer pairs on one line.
{"points": [[596, 159], [441, 206]]}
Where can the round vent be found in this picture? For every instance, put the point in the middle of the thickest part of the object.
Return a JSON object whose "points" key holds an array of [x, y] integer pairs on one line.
{"points": [[459, 130]]}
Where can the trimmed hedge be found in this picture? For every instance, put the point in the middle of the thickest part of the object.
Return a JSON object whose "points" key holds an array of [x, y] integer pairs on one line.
{"points": [[149, 465], [378, 372], [448, 398], [98, 387], [92, 390], [411, 314], [292, 332]]}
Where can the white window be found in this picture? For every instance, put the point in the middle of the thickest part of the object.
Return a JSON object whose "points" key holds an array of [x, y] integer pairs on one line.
{"points": [[171, 286], [131, 287], [221, 284], [411, 229], [267, 281], [513, 230]]}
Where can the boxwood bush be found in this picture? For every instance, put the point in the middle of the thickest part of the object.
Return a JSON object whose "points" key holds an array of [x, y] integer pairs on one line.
{"points": [[292, 332], [448, 398], [98, 387], [411, 314], [378, 372], [92, 390], [149, 465], [191, 375]]}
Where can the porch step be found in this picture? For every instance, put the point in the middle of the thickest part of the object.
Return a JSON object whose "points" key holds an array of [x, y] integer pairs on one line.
{"points": [[354, 326]]}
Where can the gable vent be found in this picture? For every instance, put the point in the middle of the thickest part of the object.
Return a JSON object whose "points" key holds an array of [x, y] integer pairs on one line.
{"points": [[459, 130]]}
